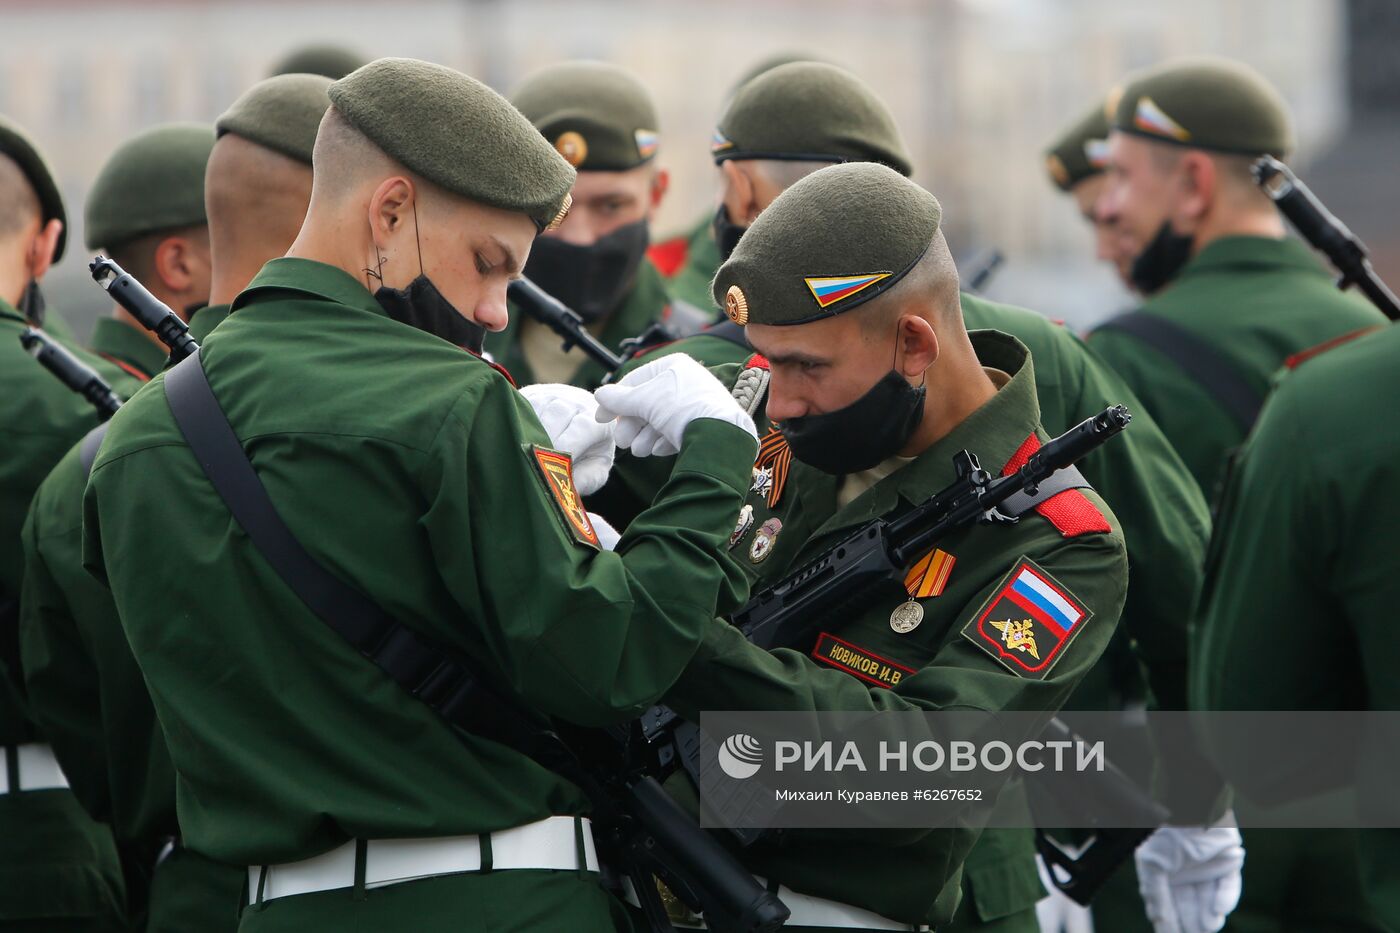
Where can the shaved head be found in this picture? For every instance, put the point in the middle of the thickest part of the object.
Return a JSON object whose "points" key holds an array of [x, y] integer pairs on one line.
{"points": [[19, 205], [345, 159], [931, 290], [256, 200]]}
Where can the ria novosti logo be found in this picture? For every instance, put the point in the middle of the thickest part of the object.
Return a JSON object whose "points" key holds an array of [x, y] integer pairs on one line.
{"points": [[740, 756]]}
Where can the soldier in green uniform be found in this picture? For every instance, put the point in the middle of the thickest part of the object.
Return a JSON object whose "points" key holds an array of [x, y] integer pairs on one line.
{"points": [[1230, 300], [1313, 492], [1075, 161], [1230, 297], [320, 58], [689, 259], [415, 472], [603, 122], [1166, 524], [85, 690], [146, 211], [877, 384], [58, 868]]}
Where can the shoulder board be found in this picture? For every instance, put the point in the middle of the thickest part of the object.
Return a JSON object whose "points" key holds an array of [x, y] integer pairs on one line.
{"points": [[1301, 357], [1069, 510], [669, 255], [757, 361], [751, 388]]}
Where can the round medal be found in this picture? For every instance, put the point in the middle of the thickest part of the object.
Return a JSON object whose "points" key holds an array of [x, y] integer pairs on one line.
{"points": [[906, 617]]}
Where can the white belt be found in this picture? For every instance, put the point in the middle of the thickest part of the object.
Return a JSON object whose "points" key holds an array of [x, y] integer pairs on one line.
{"points": [[37, 767], [549, 844]]}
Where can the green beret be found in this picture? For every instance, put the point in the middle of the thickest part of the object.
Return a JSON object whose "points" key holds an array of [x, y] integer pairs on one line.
{"points": [[1206, 103], [833, 241], [457, 133], [329, 61], [281, 113], [15, 143], [598, 116], [809, 112], [769, 62], [153, 182], [1081, 151]]}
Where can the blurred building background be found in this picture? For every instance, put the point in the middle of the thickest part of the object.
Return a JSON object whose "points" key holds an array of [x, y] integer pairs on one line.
{"points": [[977, 85]]}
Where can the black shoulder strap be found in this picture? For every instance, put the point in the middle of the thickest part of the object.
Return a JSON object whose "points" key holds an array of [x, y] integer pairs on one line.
{"points": [[92, 440], [1206, 365], [427, 671], [1020, 503]]}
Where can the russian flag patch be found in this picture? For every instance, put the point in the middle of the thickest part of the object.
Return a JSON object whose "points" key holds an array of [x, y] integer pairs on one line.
{"points": [[1028, 622], [1153, 119], [829, 289]]}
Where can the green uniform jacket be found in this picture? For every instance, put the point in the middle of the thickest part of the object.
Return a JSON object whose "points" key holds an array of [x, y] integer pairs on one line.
{"points": [[1301, 585], [410, 469], [203, 321], [646, 303], [87, 696], [914, 876], [1255, 300], [689, 262], [55, 862]]}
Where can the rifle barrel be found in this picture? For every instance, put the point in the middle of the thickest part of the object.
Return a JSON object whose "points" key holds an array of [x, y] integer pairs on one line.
{"points": [[149, 311], [71, 371], [564, 321]]}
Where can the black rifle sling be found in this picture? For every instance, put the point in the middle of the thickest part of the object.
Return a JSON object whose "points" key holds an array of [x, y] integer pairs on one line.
{"points": [[1206, 365], [424, 669], [92, 440]]}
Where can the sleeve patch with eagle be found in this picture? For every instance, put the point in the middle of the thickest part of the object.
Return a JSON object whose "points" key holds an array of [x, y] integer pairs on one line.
{"points": [[557, 471], [1028, 622]]}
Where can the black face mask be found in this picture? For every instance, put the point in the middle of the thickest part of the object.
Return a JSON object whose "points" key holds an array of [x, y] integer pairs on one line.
{"points": [[32, 304], [726, 233], [422, 306], [1161, 260], [865, 433], [590, 280]]}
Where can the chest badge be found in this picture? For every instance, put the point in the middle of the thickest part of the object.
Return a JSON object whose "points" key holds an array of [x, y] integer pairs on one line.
{"points": [[762, 481], [764, 540], [742, 526], [925, 580], [773, 463], [906, 617]]}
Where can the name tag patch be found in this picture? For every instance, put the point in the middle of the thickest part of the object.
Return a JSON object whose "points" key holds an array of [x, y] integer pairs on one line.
{"points": [[1028, 621], [855, 660]]}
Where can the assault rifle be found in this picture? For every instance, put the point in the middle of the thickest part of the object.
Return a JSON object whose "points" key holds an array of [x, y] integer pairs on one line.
{"points": [[151, 312], [1316, 224], [563, 320], [71, 371], [788, 612]]}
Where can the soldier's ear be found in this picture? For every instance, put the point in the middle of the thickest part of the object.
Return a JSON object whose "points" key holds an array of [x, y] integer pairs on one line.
{"points": [[740, 194], [1200, 185], [918, 345], [391, 209], [42, 249]]}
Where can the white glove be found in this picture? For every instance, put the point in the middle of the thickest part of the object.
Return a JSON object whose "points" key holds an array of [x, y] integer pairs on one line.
{"points": [[1191, 877], [607, 534], [1056, 912], [655, 403], [567, 413]]}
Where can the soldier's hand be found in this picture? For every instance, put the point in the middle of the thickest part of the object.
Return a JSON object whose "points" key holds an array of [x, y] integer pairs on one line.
{"points": [[655, 403], [567, 413], [1190, 877]]}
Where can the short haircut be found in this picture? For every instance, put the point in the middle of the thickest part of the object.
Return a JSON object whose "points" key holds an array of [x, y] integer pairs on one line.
{"points": [[19, 204], [784, 173], [932, 284]]}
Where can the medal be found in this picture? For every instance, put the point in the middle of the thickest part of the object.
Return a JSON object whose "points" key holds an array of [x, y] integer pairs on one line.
{"points": [[774, 461], [906, 617], [764, 540], [742, 526], [762, 481]]}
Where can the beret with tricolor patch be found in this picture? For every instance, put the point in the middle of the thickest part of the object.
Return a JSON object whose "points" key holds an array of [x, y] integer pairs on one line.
{"points": [[1206, 103], [281, 113], [152, 183], [458, 134], [1081, 151], [330, 61], [810, 112], [16, 143], [830, 243], [598, 116]]}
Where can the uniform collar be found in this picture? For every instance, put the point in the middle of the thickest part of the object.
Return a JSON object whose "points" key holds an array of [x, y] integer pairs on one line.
{"points": [[290, 274], [993, 433], [120, 342], [1233, 253], [206, 319]]}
